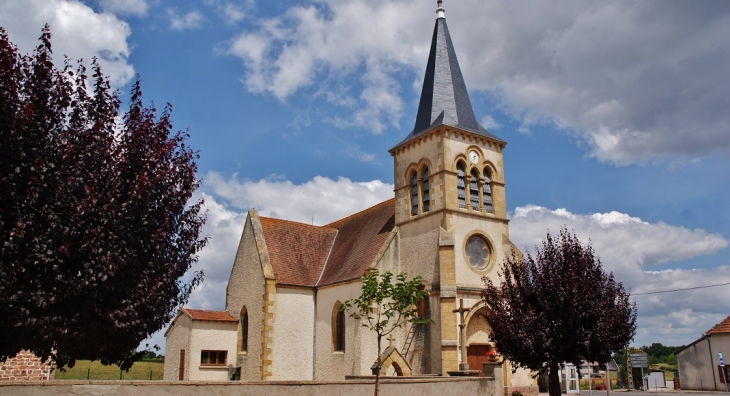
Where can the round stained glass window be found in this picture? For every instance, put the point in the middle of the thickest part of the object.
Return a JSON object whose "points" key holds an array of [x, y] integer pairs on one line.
{"points": [[477, 250]]}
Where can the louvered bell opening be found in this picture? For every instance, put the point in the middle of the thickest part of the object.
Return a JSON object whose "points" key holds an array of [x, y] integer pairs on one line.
{"points": [[487, 192], [425, 191], [474, 191], [414, 195], [460, 186]]}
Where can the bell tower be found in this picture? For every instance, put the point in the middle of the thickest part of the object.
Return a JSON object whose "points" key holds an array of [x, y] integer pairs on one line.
{"points": [[450, 197]]}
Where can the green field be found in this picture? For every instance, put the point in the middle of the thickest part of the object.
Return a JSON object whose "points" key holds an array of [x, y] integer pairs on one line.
{"points": [[85, 369]]}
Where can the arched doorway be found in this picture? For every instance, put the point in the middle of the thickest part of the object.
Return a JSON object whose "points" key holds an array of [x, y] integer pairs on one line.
{"points": [[478, 342]]}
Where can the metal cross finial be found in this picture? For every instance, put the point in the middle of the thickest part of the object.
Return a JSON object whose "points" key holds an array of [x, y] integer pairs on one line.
{"points": [[440, 9]]}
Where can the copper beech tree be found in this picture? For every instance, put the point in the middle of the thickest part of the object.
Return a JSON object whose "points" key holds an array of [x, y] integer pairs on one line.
{"points": [[558, 307], [96, 224]]}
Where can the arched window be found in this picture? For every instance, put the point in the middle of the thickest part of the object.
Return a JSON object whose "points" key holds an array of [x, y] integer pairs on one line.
{"points": [[424, 190], [487, 191], [460, 186], [243, 330], [414, 194], [474, 190], [338, 328]]}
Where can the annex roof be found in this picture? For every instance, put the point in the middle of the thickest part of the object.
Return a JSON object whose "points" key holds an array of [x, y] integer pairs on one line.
{"points": [[444, 98], [721, 328], [308, 255], [211, 316]]}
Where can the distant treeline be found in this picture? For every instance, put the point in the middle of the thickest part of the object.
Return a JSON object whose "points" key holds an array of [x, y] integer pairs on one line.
{"points": [[153, 357]]}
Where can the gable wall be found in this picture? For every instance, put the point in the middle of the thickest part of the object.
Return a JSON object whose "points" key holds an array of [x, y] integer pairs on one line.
{"points": [[176, 339], [247, 286], [698, 362], [293, 332]]}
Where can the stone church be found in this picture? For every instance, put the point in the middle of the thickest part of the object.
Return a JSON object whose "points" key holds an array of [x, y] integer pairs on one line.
{"points": [[447, 222]]}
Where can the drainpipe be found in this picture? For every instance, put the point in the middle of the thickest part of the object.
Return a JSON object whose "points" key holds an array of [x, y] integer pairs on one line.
{"points": [[314, 338], [712, 365], [314, 342]]}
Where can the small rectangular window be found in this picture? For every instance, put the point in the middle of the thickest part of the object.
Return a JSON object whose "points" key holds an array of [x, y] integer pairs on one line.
{"points": [[213, 358]]}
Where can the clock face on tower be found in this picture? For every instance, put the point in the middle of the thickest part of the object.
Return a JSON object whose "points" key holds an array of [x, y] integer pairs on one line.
{"points": [[473, 157]]}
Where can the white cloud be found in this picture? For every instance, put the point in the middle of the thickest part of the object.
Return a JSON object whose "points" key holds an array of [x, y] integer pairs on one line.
{"points": [[635, 80], [628, 247], [231, 12], [192, 20], [490, 123], [287, 53], [125, 7], [356, 152], [321, 198], [77, 31]]}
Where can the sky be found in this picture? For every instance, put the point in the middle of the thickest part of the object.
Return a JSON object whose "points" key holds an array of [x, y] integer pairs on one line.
{"points": [[615, 113]]}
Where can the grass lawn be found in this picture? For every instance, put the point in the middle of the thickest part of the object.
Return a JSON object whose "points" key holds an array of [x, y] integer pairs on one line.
{"points": [[85, 369]]}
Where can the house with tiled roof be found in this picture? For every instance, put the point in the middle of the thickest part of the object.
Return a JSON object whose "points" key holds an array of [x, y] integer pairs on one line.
{"points": [[198, 330], [699, 362], [447, 222]]}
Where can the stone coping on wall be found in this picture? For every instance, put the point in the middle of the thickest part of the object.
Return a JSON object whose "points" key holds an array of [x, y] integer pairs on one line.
{"points": [[371, 378], [432, 386], [354, 380]]}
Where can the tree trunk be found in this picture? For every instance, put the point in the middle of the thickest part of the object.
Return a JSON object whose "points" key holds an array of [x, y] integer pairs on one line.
{"points": [[377, 372], [554, 380]]}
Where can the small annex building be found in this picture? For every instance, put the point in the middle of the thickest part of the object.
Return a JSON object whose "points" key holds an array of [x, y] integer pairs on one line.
{"points": [[212, 334], [447, 222], [698, 363]]}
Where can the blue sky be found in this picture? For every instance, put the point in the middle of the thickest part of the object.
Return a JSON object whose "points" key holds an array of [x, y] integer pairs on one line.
{"points": [[615, 113]]}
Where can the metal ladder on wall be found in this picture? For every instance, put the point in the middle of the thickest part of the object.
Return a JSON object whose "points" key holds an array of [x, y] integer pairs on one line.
{"points": [[409, 341]]}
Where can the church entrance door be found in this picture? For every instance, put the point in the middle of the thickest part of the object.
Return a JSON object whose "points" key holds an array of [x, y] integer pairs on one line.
{"points": [[475, 356]]}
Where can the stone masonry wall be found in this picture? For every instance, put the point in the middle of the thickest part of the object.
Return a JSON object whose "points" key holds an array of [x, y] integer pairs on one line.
{"points": [[25, 366]]}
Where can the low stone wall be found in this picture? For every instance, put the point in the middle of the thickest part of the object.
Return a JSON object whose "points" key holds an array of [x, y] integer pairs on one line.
{"points": [[423, 387], [25, 366]]}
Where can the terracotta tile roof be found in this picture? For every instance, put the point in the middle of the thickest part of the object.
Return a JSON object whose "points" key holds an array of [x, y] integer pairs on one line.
{"points": [[359, 239], [213, 316], [297, 251], [721, 328]]}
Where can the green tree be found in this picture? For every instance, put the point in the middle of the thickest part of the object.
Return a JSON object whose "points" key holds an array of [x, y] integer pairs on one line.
{"points": [[558, 307], [384, 306], [97, 226]]}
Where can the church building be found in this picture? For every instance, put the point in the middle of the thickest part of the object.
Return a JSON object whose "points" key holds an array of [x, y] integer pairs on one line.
{"points": [[447, 222]]}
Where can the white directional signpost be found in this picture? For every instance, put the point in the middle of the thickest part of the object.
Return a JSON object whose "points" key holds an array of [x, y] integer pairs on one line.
{"points": [[722, 368], [639, 360]]}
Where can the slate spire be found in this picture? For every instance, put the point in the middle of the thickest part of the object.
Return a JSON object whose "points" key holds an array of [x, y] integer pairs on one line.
{"points": [[444, 98]]}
